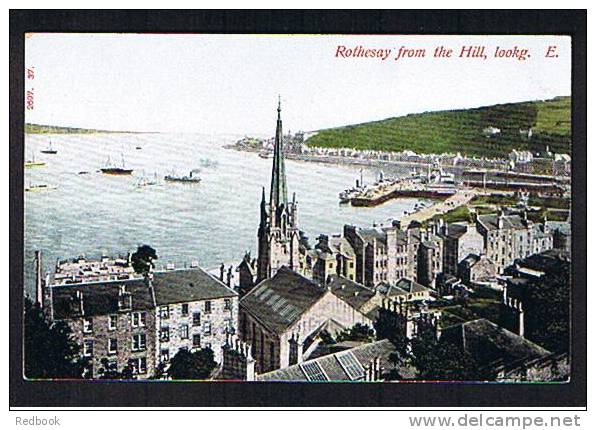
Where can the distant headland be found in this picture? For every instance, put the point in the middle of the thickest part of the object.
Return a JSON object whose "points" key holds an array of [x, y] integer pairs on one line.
{"points": [[54, 129]]}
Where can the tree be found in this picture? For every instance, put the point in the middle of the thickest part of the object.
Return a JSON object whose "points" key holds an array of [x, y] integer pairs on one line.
{"points": [[442, 360], [105, 372], [142, 259], [50, 351], [192, 365], [358, 332]]}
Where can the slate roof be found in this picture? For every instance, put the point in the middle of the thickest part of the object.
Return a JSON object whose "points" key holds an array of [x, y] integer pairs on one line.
{"points": [[278, 302], [188, 285], [173, 286], [491, 222], [489, 343], [353, 293], [456, 230], [410, 286], [99, 298], [369, 235], [331, 366]]}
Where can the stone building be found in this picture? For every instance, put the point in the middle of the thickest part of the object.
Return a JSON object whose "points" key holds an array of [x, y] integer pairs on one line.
{"points": [[193, 310], [460, 240], [281, 316], [509, 237], [139, 323], [278, 234], [430, 260], [476, 268], [113, 321], [371, 247], [561, 231], [333, 256]]}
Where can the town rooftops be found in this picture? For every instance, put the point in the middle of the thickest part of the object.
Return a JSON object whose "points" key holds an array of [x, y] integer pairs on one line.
{"points": [[168, 287], [348, 365], [456, 230], [489, 343], [491, 222], [353, 293], [98, 298], [410, 286], [188, 285], [278, 302], [563, 227]]}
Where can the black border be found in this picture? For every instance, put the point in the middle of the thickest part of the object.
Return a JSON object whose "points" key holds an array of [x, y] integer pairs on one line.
{"points": [[229, 394]]}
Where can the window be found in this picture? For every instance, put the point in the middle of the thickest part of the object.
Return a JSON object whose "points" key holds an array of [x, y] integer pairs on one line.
{"points": [[139, 319], [87, 325], [208, 306], [184, 331], [112, 366], [196, 340], [185, 309], [164, 312], [112, 346], [196, 319], [207, 328], [138, 365], [88, 348], [227, 304], [229, 326], [164, 334], [139, 342], [164, 355], [113, 322]]}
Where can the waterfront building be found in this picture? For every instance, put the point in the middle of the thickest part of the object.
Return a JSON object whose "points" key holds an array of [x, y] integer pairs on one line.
{"points": [[137, 324], [81, 269], [282, 316], [278, 234], [333, 256]]}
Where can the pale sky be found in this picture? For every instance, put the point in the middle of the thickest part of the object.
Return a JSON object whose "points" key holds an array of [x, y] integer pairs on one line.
{"points": [[230, 83]]}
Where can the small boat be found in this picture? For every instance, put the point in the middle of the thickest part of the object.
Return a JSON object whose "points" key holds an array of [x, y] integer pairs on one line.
{"points": [[144, 181], [112, 169], [49, 149], [39, 187], [83, 172], [138, 147], [187, 179], [33, 163], [265, 154]]}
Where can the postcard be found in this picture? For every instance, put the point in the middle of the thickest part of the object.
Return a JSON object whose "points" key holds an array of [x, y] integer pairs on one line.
{"points": [[312, 208]]}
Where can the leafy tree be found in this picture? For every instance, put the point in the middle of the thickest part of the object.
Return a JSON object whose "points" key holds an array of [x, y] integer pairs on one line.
{"points": [[192, 365], [50, 351], [105, 372], [142, 259], [442, 360], [358, 332]]}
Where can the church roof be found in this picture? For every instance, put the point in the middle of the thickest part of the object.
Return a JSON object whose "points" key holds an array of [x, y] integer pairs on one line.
{"points": [[280, 301]]}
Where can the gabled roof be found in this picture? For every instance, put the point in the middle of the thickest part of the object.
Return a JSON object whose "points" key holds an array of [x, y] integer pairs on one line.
{"points": [[410, 286], [280, 301], [335, 367], [491, 222], [489, 342], [353, 293], [369, 235], [188, 285]]}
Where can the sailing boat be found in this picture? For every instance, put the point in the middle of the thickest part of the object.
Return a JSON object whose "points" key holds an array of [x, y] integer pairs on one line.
{"points": [[112, 169], [145, 181], [33, 163], [49, 149]]}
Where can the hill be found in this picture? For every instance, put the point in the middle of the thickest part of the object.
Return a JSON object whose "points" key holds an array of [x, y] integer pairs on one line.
{"points": [[462, 130], [53, 129]]}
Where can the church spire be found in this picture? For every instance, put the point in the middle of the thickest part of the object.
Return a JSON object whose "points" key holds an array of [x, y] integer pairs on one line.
{"points": [[279, 193]]}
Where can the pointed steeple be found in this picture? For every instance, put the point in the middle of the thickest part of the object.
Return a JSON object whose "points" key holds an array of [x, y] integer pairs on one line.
{"points": [[279, 192]]}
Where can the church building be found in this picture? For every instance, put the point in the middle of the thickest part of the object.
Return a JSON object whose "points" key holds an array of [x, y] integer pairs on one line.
{"points": [[278, 234]]}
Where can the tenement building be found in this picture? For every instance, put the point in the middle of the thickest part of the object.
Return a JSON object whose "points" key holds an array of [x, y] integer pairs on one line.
{"points": [[278, 234], [511, 237], [135, 324]]}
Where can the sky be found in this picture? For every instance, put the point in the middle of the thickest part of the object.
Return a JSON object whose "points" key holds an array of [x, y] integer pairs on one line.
{"points": [[230, 83]]}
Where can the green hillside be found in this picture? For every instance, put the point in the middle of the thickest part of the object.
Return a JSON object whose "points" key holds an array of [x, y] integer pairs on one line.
{"points": [[53, 129], [462, 130]]}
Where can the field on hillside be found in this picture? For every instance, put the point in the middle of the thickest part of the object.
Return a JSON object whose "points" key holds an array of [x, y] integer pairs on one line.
{"points": [[462, 130]]}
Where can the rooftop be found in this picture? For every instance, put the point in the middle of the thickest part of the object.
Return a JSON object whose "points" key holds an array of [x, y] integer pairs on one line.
{"points": [[348, 365], [353, 293], [188, 285], [278, 302], [491, 222]]}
